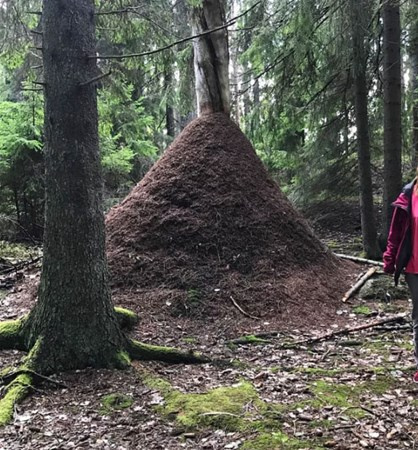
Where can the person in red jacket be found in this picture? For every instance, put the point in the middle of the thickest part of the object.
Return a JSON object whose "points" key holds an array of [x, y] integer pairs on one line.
{"points": [[402, 250]]}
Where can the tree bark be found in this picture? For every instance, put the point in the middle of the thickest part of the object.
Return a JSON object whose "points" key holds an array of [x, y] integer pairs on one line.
{"points": [[368, 224], [73, 324], [211, 59], [392, 109], [413, 56], [169, 109]]}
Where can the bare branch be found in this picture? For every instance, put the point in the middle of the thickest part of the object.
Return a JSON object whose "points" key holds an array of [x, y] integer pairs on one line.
{"points": [[128, 9], [32, 89], [93, 80]]}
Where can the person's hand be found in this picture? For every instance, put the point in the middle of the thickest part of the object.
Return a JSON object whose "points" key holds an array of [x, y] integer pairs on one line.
{"points": [[389, 269]]}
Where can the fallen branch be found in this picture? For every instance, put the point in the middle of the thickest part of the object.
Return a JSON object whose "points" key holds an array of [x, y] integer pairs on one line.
{"points": [[20, 266], [345, 331], [241, 310], [359, 283], [357, 259]]}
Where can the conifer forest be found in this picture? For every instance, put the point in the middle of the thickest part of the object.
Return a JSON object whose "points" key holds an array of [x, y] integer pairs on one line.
{"points": [[208, 212]]}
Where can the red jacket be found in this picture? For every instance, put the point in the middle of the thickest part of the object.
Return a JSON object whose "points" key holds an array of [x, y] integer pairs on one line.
{"points": [[398, 250]]}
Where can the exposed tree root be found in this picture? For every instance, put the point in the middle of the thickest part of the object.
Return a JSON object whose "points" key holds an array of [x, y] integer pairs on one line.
{"points": [[146, 352], [19, 383], [10, 334], [127, 319], [36, 377], [16, 391]]}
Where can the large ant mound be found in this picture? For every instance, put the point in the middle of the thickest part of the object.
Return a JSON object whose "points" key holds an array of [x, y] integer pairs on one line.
{"points": [[207, 227]]}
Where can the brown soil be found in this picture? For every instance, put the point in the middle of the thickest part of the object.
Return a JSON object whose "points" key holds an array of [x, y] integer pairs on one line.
{"points": [[207, 223]]}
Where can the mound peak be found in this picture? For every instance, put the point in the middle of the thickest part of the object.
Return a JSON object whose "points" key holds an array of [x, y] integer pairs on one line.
{"points": [[207, 223]]}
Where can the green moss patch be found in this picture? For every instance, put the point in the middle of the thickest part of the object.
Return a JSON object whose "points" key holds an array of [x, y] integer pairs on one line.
{"points": [[115, 402], [362, 310], [220, 408], [230, 408], [349, 398], [275, 441], [189, 340]]}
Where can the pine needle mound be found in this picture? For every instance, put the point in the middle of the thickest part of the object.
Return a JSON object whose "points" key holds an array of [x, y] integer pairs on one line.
{"points": [[207, 223]]}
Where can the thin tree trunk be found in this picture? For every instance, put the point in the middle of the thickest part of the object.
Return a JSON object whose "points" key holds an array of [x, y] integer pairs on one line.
{"points": [[211, 59], [256, 93], [413, 56], [73, 324], [368, 224], [392, 109], [169, 109], [16, 198], [235, 75]]}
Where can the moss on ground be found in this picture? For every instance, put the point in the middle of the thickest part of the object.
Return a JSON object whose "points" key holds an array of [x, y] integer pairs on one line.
{"points": [[250, 339], [230, 408], [362, 310], [115, 402], [189, 339], [276, 441], [239, 408], [347, 397], [221, 407]]}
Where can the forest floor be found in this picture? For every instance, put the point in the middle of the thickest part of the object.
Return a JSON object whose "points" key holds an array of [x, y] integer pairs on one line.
{"points": [[346, 392]]}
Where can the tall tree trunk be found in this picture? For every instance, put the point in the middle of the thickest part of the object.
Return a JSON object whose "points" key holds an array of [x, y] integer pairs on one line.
{"points": [[368, 224], [413, 56], [211, 59], [234, 55], [256, 92], [392, 109], [169, 109], [73, 325]]}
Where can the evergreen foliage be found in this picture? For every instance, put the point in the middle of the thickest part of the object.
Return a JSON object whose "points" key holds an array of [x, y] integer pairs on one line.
{"points": [[293, 94]]}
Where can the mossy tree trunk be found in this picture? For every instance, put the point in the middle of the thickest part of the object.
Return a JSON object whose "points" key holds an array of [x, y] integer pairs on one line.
{"points": [[73, 325], [73, 322], [211, 58]]}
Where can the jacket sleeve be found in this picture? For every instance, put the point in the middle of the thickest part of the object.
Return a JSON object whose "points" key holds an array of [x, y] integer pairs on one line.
{"points": [[396, 233]]}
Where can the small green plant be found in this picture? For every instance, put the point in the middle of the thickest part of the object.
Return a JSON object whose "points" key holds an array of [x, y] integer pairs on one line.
{"points": [[362, 310], [115, 402]]}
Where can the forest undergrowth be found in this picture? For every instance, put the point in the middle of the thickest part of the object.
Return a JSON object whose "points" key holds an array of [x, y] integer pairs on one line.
{"points": [[263, 392]]}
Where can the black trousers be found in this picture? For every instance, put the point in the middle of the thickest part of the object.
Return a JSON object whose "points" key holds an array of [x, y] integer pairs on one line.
{"points": [[412, 280]]}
